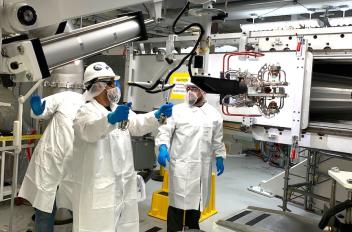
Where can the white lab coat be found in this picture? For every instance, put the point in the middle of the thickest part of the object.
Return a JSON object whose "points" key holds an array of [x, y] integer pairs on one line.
{"points": [[193, 135], [48, 174], [105, 192]]}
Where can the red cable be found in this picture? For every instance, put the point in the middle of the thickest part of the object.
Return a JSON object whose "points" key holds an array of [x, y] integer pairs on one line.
{"points": [[293, 154], [222, 109], [255, 54], [28, 149]]}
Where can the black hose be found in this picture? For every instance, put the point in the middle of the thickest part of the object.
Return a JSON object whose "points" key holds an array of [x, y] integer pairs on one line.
{"points": [[160, 90], [190, 55], [190, 64], [333, 211], [145, 88], [193, 52]]}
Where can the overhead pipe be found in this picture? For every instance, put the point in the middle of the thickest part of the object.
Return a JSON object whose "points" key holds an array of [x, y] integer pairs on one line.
{"points": [[31, 60], [64, 48]]}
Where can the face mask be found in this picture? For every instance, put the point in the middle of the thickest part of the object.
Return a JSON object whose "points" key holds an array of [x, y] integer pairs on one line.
{"points": [[191, 98], [114, 95]]}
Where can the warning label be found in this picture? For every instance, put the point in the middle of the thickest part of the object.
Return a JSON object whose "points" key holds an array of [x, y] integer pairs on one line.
{"points": [[179, 79]]}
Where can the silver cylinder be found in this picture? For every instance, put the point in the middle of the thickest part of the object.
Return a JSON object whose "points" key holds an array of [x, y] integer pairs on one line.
{"points": [[331, 100], [66, 78], [43, 32], [80, 43]]}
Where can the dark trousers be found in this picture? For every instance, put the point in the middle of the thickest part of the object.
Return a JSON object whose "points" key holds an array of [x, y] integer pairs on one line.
{"points": [[175, 219], [44, 222]]}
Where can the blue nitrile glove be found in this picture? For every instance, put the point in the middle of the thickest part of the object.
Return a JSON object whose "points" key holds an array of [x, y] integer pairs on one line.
{"points": [[163, 155], [120, 114], [165, 109], [220, 165], [37, 105]]}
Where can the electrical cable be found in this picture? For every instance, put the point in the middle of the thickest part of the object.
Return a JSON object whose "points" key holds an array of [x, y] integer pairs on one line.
{"points": [[324, 221], [288, 3], [193, 52], [190, 55], [146, 8], [160, 90]]}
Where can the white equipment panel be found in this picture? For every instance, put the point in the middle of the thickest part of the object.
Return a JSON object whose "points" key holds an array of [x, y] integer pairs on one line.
{"points": [[293, 66], [143, 67]]}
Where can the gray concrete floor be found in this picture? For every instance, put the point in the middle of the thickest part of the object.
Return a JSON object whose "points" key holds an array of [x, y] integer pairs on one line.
{"points": [[231, 196]]}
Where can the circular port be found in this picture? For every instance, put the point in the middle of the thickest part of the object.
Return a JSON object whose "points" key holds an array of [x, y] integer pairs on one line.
{"points": [[27, 15]]}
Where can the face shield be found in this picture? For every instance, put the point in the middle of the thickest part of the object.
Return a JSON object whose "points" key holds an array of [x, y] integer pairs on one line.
{"points": [[191, 98], [114, 95], [113, 91], [194, 95]]}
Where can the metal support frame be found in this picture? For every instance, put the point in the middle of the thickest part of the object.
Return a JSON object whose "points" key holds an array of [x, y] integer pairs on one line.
{"points": [[2, 178], [349, 210], [11, 150], [313, 161], [313, 168], [286, 183], [307, 199], [188, 41], [317, 39], [333, 194], [312, 195]]}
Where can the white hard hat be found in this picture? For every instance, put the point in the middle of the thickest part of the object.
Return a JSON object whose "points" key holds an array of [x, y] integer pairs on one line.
{"points": [[190, 84], [98, 70]]}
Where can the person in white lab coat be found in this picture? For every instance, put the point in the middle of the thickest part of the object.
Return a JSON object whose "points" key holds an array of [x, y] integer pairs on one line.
{"points": [[105, 193], [48, 176], [194, 136]]}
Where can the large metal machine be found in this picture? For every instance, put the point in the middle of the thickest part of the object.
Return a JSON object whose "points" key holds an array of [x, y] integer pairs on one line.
{"points": [[291, 92], [284, 86]]}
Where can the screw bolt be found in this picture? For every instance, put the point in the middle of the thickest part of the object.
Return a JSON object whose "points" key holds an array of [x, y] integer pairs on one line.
{"points": [[29, 76], [4, 52], [20, 49]]}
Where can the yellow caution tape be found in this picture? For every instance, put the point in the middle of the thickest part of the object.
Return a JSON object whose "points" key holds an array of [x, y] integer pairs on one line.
{"points": [[24, 137]]}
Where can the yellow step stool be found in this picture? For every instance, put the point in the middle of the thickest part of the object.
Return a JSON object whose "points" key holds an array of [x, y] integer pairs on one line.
{"points": [[160, 201]]}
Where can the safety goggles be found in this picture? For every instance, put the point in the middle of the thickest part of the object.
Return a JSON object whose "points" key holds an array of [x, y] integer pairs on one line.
{"points": [[192, 88], [110, 83]]}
